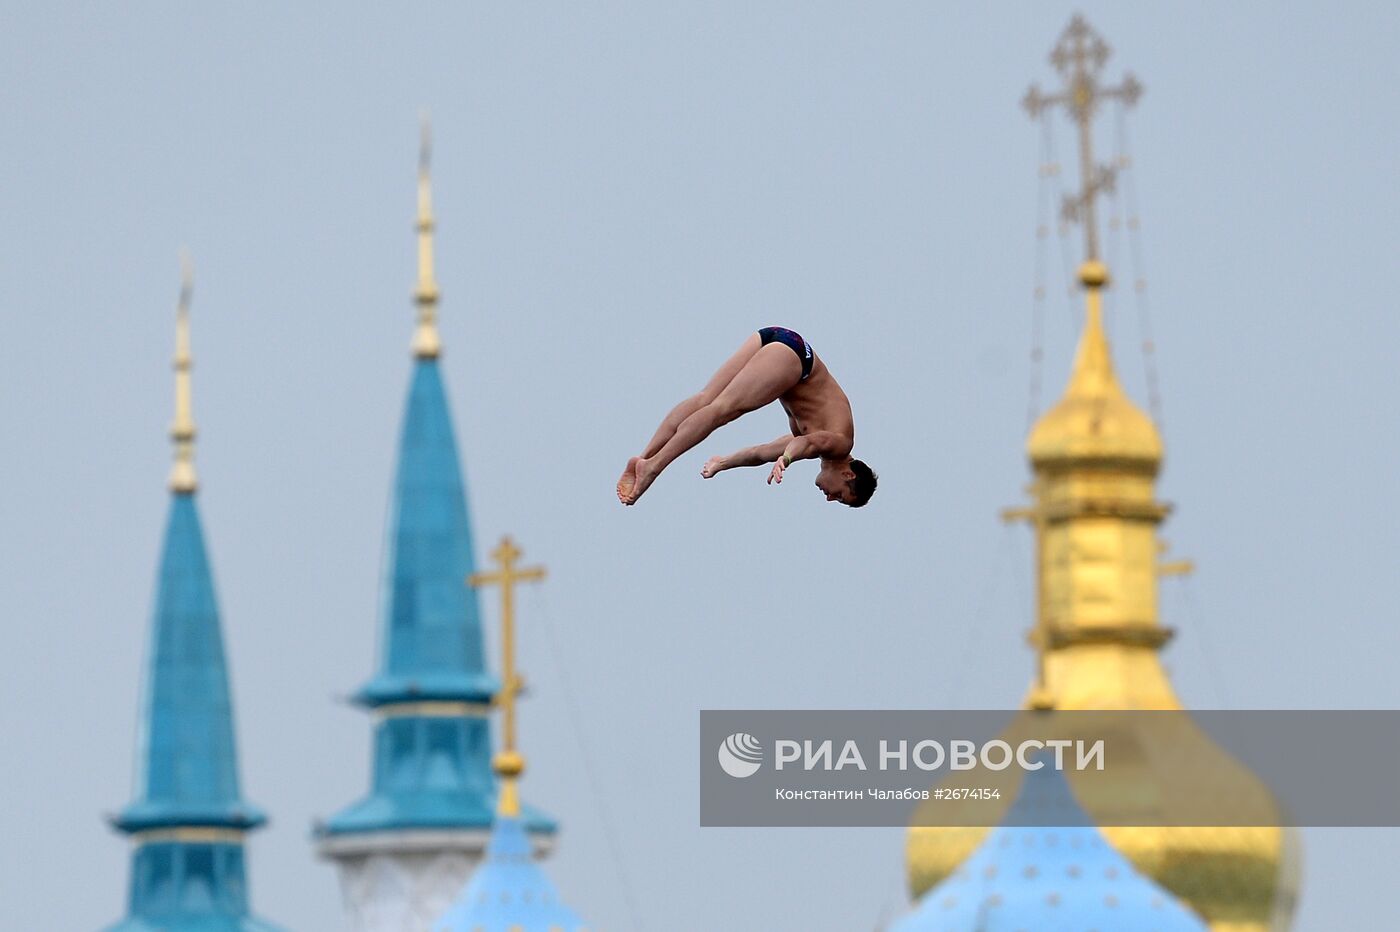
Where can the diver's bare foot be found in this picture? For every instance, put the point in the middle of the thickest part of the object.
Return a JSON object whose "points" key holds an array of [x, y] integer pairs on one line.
{"points": [[713, 467], [626, 484], [645, 476]]}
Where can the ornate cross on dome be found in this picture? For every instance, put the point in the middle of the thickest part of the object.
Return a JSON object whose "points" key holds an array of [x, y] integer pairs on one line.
{"points": [[1079, 56]]}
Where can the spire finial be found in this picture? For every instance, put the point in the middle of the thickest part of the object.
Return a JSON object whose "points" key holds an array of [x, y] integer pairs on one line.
{"points": [[426, 342], [1079, 56], [182, 432], [508, 763], [1093, 375]]}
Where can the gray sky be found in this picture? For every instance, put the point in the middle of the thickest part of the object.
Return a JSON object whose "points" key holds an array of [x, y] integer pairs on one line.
{"points": [[624, 191]]}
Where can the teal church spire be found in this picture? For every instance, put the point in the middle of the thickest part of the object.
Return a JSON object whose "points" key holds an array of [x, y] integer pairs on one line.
{"points": [[431, 647], [1063, 879], [432, 692], [188, 819]]}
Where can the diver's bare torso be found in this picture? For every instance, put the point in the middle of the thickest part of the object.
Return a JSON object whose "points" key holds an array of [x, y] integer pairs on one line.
{"points": [[817, 403]]}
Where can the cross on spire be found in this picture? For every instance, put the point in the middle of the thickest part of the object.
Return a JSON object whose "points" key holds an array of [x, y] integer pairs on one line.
{"points": [[1079, 57], [508, 763]]}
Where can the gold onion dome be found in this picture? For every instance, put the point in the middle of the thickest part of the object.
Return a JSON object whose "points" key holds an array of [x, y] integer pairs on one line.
{"points": [[1096, 633], [1095, 420], [1098, 640]]}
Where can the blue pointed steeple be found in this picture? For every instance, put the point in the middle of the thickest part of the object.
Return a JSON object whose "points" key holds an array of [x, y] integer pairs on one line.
{"points": [[188, 770], [432, 691], [188, 818], [431, 648]]}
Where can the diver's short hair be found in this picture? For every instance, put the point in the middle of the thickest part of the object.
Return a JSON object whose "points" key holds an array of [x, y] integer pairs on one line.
{"points": [[863, 485]]}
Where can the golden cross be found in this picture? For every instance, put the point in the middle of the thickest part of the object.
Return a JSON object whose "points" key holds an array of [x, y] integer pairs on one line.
{"points": [[509, 763], [1079, 56]]}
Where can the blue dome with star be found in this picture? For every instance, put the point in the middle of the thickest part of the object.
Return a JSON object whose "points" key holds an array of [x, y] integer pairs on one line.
{"points": [[509, 892], [1062, 879]]}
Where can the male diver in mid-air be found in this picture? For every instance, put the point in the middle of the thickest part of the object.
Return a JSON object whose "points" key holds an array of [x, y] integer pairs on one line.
{"points": [[774, 364]]}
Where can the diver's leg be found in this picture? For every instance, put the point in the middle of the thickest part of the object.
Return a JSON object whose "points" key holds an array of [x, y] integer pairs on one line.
{"points": [[772, 370], [722, 377]]}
